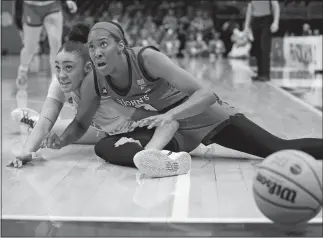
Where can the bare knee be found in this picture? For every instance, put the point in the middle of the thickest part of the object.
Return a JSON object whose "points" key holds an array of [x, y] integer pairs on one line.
{"points": [[30, 46]]}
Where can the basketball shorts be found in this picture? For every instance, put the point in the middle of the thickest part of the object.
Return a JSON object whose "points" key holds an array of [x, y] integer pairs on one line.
{"points": [[34, 15]]}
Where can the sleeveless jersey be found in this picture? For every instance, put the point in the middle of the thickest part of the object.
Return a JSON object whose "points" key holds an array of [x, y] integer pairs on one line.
{"points": [[109, 115], [158, 95]]}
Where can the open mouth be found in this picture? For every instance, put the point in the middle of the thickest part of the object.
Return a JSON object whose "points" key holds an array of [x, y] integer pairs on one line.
{"points": [[101, 64], [64, 84]]}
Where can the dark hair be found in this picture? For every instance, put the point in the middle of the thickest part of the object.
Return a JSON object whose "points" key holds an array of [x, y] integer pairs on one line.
{"points": [[123, 35], [79, 33], [76, 42]]}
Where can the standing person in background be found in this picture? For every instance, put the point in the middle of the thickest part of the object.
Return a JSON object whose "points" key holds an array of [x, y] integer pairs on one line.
{"points": [[264, 19], [30, 17]]}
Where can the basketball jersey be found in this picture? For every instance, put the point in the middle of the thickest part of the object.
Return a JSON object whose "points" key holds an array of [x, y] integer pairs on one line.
{"points": [[109, 115], [158, 95]]}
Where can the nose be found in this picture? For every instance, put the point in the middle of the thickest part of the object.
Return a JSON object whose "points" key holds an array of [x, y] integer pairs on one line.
{"points": [[98, 54], [61, 75]]}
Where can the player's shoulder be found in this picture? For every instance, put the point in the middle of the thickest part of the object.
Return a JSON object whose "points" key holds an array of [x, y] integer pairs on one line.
{"points": [[151, 55], [88, 82]]}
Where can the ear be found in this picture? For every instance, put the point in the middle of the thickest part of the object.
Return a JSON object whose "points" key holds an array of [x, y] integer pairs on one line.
{"points": [[121, 46], [88, 67]]}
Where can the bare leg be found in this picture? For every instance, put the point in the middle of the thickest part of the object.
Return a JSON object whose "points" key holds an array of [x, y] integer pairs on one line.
{"points": [[54, 27], [30, 40]]}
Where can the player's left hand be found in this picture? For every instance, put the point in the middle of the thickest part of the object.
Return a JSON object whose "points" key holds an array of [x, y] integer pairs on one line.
{"points": [[274, 27], [71, 6], [154, 121]]}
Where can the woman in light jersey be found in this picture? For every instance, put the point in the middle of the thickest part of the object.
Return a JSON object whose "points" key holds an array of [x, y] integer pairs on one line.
{"points": [[74, 70], [145, 78]]}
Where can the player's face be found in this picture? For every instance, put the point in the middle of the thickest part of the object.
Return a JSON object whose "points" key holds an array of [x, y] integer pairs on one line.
{"points": [[103, 50], [69, 70]]}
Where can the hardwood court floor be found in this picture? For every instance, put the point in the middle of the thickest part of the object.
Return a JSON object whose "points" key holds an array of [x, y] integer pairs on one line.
{"points": [[76, 190]]}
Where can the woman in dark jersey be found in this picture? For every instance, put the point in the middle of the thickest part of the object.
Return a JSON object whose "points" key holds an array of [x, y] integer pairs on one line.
{"points": [[145, 78]]}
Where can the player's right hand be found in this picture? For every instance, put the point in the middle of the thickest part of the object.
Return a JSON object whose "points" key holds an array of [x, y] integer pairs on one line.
{"points": [[52, 141], [20, 160]]}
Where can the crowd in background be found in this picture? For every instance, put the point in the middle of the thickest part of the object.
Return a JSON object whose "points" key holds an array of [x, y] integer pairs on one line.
{"points": [[176, 28]]}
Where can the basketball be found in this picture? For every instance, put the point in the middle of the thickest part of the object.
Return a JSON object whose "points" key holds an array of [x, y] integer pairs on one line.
{"points": [[287, 187]]}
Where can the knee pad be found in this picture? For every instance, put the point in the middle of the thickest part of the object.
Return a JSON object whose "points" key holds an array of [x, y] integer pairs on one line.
{"points": [[121, 155]]}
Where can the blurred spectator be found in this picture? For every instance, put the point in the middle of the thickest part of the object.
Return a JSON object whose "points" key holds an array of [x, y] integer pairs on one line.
{"points": [[138, 18], [170, 44], [115, 9], [216, 46], [170, 21], [181, 33], [149, 24], [198, 21], [89, 20], [142, 39], [196, 45], [226, 33], [146, 39], [316, 32], [137, 6], [241, 44], [307, 31], [105, 16]]}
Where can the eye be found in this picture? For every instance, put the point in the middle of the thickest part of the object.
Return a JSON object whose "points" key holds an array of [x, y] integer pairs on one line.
{"points": [[57, 67], [103, 44], [91, 47], [68, 68]]}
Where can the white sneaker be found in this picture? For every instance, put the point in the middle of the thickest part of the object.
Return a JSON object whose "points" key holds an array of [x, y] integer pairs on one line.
{"points": [[156, 163], [26, 117]]}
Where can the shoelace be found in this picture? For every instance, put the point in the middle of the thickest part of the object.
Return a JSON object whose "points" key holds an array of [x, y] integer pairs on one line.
{"points": [[26, 120]]}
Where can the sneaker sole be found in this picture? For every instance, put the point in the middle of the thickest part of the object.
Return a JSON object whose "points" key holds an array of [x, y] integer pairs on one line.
{"points": [[155, 164]]}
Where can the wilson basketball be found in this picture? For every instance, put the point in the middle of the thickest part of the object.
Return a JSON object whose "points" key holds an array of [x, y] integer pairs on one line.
{"points": [[287, 187]]}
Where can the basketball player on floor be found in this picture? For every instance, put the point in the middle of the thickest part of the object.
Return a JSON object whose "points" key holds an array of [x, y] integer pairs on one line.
{"points": [[74, 75], [264, 19], [31, 17], [142, 77]]}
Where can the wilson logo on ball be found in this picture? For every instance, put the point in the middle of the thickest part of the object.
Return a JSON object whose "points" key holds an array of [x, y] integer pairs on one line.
{"points": [[276, 189], [295, 169]]}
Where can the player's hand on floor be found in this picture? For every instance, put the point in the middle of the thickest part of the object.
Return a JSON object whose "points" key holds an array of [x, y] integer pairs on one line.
{"points": [[52, 141], [20, 160], [154, 121]]}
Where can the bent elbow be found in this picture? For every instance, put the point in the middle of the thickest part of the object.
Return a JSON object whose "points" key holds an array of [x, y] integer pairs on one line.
{"points": [[82, 127]]}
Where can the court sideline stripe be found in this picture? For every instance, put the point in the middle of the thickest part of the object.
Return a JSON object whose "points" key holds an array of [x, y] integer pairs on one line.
{"points": [[296, 99], [315, 220], [287, 94], [180, 206]]}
